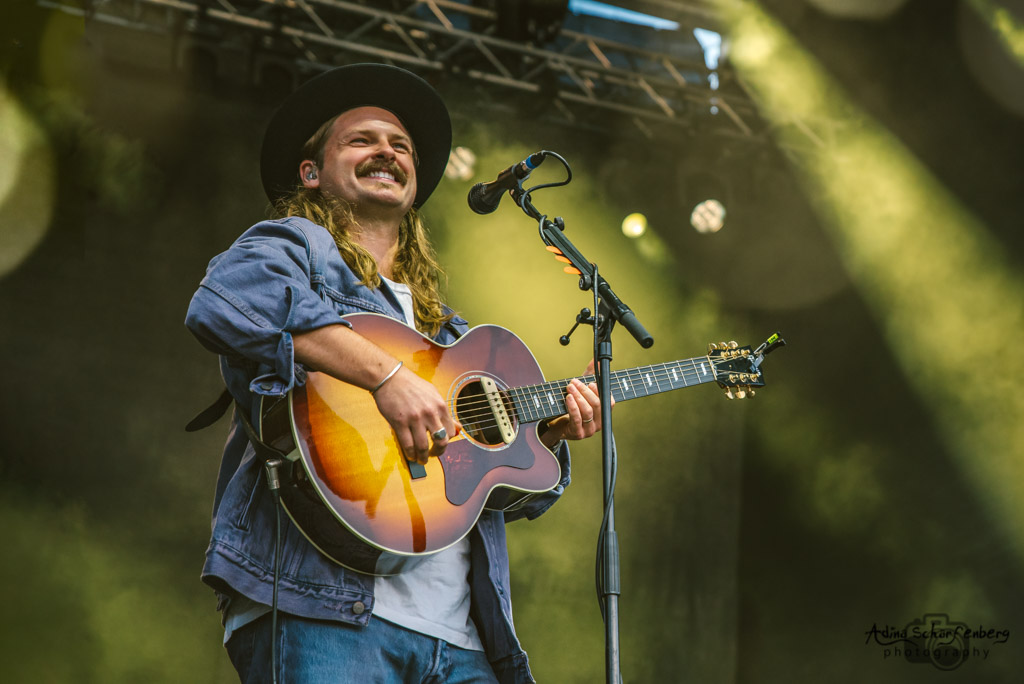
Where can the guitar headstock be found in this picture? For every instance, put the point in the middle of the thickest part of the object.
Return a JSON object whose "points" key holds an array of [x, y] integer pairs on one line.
{"points": [[738, 369]]}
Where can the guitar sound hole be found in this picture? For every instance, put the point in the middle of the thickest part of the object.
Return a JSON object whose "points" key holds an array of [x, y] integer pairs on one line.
{"points": [[474, 412]]}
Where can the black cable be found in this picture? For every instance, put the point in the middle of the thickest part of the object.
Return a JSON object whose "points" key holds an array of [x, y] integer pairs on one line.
{"points": [[273, 608], [274, 485], [599, 578], [522, 197]]}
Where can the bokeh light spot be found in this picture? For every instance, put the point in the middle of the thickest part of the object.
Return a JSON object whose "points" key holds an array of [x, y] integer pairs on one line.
{"points": [[634, 225], [708, 216], [26, 183], [858, 9]]}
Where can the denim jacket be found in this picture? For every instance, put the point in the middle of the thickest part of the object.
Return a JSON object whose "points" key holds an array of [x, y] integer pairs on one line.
{"points": [[279, 278]]}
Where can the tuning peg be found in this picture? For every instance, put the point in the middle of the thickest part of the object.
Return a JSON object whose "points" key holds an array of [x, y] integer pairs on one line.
{"points": [[723, 345], [751, 392], [712, 346], [741, 394], [733, 345], [729, 394]]}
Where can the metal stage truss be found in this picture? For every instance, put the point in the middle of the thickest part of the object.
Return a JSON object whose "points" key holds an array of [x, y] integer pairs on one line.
{"points": [[580, 79]]}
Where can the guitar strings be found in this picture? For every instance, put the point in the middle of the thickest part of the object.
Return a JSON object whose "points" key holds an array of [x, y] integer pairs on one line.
{"points": [[665, 372], [479, 416], [656, 375]]}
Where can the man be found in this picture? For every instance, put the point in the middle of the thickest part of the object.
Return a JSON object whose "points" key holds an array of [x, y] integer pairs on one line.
{"points": [[346, 160]]}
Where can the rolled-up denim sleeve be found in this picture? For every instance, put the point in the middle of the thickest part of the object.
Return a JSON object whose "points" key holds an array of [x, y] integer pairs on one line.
{"points": [[255, 296]]}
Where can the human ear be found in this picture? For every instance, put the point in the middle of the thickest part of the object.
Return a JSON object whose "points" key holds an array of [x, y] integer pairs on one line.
{"points": [[308, 174]]}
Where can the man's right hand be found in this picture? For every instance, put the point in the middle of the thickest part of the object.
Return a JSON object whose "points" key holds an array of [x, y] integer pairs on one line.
{"points": [[414, 409], [410, 404]]}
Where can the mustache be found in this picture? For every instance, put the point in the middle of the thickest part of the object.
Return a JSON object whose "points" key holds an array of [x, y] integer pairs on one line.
{"points": [[368, 167]]}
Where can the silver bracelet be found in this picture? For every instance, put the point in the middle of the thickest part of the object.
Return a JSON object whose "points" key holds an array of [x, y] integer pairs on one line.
{"points": [[386, 378]]}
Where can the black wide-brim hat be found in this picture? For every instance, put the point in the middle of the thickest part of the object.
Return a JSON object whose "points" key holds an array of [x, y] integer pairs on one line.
{"points": [[414, 101]]}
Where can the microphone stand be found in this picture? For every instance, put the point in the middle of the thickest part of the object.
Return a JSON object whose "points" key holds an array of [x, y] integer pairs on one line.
{"points": [[609, 309]]}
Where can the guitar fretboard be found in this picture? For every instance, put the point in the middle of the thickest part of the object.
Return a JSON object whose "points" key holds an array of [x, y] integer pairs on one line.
{"points": [[547, 400]]}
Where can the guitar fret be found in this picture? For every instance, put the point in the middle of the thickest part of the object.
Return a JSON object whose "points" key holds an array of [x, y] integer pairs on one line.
{"points": [[517, 400], [629, 385], [638, 382], [651, 379], [619, 387], [686, 375], [672, 376], [527, 408], [547, 400], [558, 398], [657, 381], [693, 364], [625, 382]]}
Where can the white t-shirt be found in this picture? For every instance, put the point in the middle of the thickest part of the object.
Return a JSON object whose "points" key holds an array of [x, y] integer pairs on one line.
{"points": [[433, 597]]}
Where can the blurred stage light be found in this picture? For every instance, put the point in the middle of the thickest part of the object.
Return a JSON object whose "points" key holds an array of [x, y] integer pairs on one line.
{"points": [[461, 164], [26, 183], [997, 65], [705, 192], [606, 11], [634, 225], [708, 216], [939, 285], [711, 43], [858, 9]]}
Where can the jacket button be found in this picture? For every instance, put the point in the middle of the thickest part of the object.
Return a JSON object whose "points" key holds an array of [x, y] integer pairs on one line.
{"points": [[266, 386], [358, 607]]}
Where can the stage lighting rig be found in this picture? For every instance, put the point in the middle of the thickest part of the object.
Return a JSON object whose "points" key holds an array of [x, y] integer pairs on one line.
{"points": [[534, 21]]}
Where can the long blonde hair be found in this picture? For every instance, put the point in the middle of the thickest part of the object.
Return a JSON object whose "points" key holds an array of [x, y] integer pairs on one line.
{"points": [[415, 263]]}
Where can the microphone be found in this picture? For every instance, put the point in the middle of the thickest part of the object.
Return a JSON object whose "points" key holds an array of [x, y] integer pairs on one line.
{"points": [[484, 197]]}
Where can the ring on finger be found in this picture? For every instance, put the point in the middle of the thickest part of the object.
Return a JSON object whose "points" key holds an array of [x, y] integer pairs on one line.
{"points": [[439, 434], [590, 420]]}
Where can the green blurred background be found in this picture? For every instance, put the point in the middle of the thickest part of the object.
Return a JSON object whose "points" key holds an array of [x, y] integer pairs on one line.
{"points": [[876, 479]]}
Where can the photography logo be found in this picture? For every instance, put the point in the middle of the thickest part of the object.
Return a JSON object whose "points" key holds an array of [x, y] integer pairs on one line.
{"points": [[936, 639]]}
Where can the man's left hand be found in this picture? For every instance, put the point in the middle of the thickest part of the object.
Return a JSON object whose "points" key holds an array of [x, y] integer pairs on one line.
{"points": [[583, 413]]}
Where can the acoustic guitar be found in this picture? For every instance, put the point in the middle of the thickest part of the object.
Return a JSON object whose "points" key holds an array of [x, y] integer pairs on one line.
{"points": [[353, 494]]}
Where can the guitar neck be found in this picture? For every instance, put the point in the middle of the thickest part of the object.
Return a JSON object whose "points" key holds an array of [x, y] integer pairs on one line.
{"points": [[547, 400]]}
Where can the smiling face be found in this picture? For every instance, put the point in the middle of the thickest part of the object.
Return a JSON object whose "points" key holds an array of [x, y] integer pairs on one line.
{"points": [[368, 160]]}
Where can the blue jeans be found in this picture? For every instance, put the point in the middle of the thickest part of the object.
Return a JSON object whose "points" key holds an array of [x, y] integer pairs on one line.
{"points": [[324, 652]]}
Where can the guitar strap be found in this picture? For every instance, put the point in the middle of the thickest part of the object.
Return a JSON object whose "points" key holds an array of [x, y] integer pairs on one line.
{"points": [[263, 450], [218, 408], [211, 414]]}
